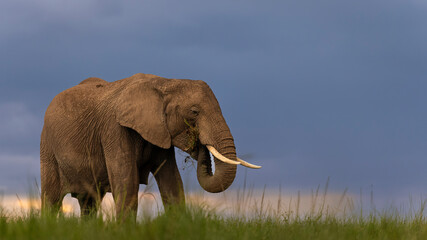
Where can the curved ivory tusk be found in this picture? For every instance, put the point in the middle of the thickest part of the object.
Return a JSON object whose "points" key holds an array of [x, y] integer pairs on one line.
{"points": [[246, 164], [221, 157]]}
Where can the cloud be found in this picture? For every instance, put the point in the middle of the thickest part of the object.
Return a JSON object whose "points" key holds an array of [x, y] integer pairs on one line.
{"points": [[17, 121], [24, 16], [326, 88], [19, 144], [18, 160], [19, 171], [27, 17]]}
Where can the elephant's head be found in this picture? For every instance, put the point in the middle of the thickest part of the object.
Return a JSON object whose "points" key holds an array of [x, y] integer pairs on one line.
{"points": [[185, 114]]}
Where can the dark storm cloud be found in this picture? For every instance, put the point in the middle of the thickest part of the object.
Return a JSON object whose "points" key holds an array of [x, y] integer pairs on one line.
{"points": [[310, 89]]}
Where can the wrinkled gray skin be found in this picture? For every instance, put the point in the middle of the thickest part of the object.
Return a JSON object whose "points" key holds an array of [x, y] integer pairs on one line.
{"points": [[103, 137]]}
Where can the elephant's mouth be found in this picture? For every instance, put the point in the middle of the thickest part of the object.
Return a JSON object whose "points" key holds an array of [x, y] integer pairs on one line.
{"points": [[198, 151], [194, 146], [225, 167]]}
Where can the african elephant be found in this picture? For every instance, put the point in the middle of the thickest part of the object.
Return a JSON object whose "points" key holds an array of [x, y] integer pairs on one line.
{"points": [[104, 136]]}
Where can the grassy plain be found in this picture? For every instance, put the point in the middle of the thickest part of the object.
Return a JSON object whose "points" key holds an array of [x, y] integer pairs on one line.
{"points": [[196, 223], [200, 221]]}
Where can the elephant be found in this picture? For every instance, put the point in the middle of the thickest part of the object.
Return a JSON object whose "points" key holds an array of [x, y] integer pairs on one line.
{"points": [[101, 137]]}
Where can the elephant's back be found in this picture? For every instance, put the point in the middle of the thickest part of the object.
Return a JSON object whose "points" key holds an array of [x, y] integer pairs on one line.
{"points": [[94, 80], [70, 104]]}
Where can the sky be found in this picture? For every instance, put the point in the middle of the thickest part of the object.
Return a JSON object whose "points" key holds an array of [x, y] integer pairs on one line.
{"points": [[310, 89]]}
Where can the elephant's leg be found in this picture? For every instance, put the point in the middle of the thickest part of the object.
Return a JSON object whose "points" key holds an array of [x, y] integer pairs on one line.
{"points": [[124, 179], [167, 176], [51, 189], [125, 185]]}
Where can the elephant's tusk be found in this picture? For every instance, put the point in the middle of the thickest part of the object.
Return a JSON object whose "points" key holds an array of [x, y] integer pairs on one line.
{"points": [[246, 164], [221, 157]]}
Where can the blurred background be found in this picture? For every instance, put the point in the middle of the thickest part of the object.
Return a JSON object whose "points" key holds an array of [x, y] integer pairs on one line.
{"points": [[310, 89]]}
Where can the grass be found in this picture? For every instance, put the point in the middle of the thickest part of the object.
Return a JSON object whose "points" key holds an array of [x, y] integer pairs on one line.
{"points": [[266, 220], [196, 223]]}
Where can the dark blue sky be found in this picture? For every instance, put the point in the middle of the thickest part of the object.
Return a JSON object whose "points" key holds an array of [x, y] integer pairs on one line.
{"points": [[310, 89]]}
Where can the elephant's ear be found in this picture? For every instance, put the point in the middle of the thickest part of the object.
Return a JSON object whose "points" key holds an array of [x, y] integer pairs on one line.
{"points": [[140, 107]]}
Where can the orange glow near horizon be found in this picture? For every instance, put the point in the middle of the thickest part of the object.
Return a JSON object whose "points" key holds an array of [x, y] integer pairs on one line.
{"points": [[231, 203]]}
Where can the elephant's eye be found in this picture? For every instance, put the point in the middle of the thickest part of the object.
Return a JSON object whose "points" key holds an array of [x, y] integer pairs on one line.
{"points": [[194, 111]]}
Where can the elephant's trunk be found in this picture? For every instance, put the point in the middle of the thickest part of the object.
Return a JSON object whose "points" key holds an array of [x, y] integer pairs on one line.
{"points": [[224, 172]]}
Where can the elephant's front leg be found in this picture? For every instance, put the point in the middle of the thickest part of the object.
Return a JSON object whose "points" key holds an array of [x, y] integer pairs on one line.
{"points": [[123, 177], [124, 182], [167, 176]]}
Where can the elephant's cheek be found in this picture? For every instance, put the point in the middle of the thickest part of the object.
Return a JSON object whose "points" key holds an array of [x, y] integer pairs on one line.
{"points": [[180, 141]]}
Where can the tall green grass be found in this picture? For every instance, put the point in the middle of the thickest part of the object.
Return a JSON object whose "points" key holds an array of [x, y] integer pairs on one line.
{"points": [[197, 220], [198, 223]]}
